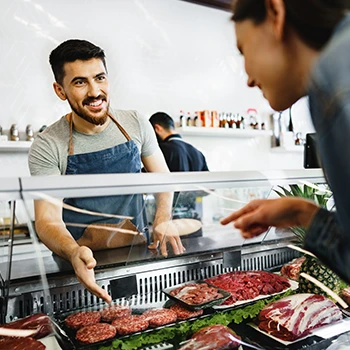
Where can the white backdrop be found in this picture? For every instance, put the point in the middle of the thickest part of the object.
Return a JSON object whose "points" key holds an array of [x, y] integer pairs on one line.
{"points": [[162, 55]]}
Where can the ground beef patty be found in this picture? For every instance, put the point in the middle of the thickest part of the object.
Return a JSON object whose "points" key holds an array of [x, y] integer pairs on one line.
{"points": [[95, 332], [183, 314], [160, 317], [81, 319], [130, 324], [111, 313], [22, 344]]}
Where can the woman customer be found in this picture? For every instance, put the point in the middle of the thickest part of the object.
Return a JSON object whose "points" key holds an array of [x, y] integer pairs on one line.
{"points": [[294, 48]]}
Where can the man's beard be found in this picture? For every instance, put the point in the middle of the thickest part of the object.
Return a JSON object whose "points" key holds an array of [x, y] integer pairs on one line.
{"points": [[93, 120]]}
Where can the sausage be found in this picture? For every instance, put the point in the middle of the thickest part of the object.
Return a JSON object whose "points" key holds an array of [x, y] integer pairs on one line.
{"points": [[95, 333], [81, 319]]}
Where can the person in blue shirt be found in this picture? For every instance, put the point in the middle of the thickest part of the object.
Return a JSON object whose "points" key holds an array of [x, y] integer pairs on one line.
{"points": [[294, 48], [179, 154]]}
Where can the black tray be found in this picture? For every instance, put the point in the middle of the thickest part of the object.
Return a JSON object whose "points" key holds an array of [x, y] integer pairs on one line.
{"points": [[195, 307], [73, 344]]}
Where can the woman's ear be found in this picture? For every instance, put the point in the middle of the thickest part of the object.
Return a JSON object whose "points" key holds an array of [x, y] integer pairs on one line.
{"points": [[276, 14], [59, 91]]}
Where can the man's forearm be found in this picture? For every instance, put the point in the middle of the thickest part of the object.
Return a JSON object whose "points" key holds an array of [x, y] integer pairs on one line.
{"points": [[57, 238], [164, 201]]}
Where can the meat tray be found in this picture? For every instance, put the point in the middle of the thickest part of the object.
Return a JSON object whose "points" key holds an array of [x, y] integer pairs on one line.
{"points": [[194, 307], [71, 343], [293, 286]]}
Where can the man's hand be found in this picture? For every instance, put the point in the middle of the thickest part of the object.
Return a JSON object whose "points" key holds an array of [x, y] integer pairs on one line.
{"points": [[83, 263], [255, 218], [165, 231]]}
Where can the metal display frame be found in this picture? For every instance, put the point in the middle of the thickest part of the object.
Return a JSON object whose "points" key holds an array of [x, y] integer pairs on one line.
{"points": [[26, 295]]}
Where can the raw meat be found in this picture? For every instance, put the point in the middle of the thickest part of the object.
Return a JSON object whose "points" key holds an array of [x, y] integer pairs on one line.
{"points": [[246, 285], [184, 314], [22, 344], [160, 317], [130, 324], [345, 294], [295, 316], [196, 293], [40, 322], [217, 337], [292, 269], [95, 332], [111, 313], [82, 319]]}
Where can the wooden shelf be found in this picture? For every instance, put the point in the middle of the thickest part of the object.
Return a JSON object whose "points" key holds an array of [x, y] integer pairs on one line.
{"points": [[15, 146], [298, 149], [220, 132]]}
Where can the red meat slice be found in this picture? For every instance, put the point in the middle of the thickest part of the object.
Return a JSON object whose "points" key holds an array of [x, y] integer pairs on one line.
{"points": [[40, 322], [111, 313], [160, 317], [246, 285], [22, 344], [293, 317], [95, 333], [292, 269], [130, 324], [184, 314], [196, 293], [217, 337], [82, 319]]}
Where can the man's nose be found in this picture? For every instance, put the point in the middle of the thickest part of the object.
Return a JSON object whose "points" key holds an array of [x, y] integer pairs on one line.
{"points": [[94, 90]]}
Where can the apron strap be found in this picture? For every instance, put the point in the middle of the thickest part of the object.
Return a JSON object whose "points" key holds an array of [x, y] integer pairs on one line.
{"points": [[71, 145]]}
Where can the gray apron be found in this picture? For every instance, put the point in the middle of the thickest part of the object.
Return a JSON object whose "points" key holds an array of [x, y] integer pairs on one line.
{"points": [[123, 158]]}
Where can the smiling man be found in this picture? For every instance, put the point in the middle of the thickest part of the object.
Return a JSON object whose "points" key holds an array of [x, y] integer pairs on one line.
{"points": [[94, 139]]}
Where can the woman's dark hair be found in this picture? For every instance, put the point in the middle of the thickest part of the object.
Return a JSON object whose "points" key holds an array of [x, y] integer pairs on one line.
{"points": [[70, 51], [313, 20], [163, 120]]}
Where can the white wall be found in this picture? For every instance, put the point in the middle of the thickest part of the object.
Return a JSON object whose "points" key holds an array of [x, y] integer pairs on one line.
{"points": [[162, 55]]}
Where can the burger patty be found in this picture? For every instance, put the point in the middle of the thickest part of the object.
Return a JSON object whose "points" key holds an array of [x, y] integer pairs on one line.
{"points": [[95, 333], [130, 324], [184, 314], [111, 313], [22, 344], [81, 319], [160, 317]]}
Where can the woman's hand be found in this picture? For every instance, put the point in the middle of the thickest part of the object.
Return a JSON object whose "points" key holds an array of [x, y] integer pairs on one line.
{"points": [[255, 218]]}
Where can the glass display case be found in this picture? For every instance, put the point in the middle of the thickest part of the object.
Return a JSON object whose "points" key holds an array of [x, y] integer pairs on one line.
{"points": [[178, 209]]}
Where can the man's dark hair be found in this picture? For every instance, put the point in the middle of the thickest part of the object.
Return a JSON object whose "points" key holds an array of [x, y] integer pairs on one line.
{"points": [[163, 120], [70, 51], [313, 20]]}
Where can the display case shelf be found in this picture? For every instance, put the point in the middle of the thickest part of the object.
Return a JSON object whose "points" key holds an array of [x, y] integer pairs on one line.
{"points": [[220, 132], [15, 146]]}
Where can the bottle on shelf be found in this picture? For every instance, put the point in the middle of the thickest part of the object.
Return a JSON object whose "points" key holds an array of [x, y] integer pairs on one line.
{"points": [[232, 122], [189, 119], [215, 120], [182, 122], [29, 133], [14, 134], [196, 120]]}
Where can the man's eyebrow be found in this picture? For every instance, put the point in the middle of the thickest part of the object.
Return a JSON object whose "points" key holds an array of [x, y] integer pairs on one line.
{"points": [[84, 78], [77, 78], [100, 74]]}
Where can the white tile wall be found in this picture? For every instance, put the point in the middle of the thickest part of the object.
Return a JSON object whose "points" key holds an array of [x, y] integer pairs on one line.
{"points": [[161, 54]]}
